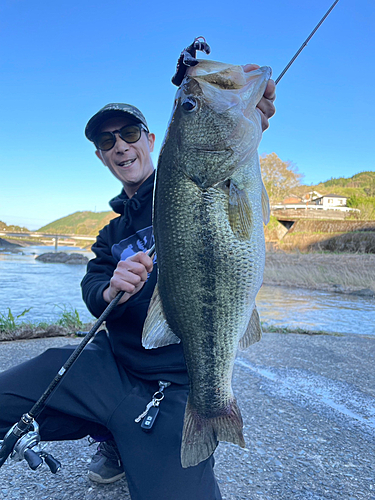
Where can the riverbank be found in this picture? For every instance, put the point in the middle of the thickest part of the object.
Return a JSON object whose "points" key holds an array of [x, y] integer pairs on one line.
{"points": [[17, 244], [7, 246], [14, 328], [340, 273]]}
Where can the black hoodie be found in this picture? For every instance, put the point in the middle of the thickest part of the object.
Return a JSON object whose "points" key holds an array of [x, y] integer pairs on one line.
{"points": [[124, 236]]}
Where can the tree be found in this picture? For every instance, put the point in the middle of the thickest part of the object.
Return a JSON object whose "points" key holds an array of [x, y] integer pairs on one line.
{"points": [[279, 177], [365, 205]]}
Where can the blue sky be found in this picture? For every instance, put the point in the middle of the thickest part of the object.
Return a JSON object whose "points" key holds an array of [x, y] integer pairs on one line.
{"points": [[62, 61]]}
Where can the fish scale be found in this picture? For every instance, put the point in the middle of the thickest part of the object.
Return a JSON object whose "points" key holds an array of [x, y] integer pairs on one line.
{"points": [[208, 205]]}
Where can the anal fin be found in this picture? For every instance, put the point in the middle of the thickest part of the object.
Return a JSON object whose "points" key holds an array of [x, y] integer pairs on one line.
{"points": [[156, 331], [253, 331], [266, 209]]}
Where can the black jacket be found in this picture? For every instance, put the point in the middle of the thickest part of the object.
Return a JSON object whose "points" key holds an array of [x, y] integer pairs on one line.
{"points": [[123, 236]]}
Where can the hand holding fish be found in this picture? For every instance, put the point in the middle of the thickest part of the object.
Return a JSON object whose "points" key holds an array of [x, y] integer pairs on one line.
{"points": [[130, 275], [265, 105]]}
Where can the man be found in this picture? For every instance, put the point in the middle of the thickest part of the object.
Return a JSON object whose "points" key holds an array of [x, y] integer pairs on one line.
{"points": [[115, 379], [130, 162]]}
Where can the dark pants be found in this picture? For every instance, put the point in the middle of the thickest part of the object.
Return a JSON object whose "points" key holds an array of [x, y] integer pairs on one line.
{"points": [[98, 394]]}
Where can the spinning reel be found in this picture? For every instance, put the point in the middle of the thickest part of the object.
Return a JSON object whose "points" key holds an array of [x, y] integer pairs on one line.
{"points": [[27, 447]]}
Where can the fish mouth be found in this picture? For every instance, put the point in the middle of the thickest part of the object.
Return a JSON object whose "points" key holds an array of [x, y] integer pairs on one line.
{"points": [[126, 163]]}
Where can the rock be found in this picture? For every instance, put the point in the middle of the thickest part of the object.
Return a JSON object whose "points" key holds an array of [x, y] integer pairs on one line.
{"points": [[62, 258], [58, 257], [77, 258]]}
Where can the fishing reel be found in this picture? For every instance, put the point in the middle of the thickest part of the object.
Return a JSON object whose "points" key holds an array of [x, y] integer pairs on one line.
{"points": [[28, 448]]}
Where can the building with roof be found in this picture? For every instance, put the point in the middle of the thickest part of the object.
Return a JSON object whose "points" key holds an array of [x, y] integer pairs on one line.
{"points": [[331, 201], [315, 201]]}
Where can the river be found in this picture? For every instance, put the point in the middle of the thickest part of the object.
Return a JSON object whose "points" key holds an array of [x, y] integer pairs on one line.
{"points": [[49, 289]]}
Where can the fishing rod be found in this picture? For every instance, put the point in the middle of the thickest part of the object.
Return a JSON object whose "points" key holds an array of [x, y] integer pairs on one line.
{"points": [[188, 55], [305, 43], [22, 439]]}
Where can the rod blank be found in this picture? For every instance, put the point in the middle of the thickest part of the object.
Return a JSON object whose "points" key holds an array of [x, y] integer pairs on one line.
{"points": [[304, 44]]}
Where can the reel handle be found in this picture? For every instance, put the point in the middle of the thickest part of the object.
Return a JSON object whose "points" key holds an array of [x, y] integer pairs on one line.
{"points": [[53, 464], [33, 459]]}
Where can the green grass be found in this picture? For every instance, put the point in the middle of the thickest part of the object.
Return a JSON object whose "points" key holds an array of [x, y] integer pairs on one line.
{"points": [[13, 326], [8, 321], [70, 318]]}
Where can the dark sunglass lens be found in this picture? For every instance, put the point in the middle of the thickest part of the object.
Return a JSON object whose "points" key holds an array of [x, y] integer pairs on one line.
{"points": [[130, 133], [105, 141]]}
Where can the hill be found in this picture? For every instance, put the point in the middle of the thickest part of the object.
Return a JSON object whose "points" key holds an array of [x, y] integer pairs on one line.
{"points": [[361, 185], [85, 223], [12, 227]]}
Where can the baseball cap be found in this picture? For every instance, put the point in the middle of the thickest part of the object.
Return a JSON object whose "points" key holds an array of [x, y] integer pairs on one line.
{"points": [[112, 110]]}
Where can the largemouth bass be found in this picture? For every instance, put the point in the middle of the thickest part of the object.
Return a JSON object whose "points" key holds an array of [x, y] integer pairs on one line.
{"points": [[209, 208]]}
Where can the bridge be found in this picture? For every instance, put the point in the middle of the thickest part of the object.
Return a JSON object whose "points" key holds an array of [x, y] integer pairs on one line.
{"points": [[50, 238], [288, 216]]}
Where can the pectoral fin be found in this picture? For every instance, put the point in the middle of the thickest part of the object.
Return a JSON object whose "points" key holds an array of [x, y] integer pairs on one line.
{"points": [[253, 332], [239, 210], [266, 209], [156, 331]]}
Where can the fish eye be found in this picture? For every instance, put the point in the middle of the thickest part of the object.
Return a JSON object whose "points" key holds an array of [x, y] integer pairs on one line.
{"points": [[189, 104]]}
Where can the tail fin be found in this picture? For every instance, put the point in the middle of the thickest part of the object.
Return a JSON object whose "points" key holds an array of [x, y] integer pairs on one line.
{"points": [[201, 435]]}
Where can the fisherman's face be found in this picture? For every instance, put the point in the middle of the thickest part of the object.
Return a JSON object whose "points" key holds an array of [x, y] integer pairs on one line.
{"points": [[131, 164]]}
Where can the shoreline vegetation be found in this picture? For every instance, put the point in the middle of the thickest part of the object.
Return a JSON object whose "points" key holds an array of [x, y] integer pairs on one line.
{"points": [[349, 273], [14, 327]]}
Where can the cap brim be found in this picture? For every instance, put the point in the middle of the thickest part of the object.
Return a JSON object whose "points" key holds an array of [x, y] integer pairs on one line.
{"points": [[96, 121]]}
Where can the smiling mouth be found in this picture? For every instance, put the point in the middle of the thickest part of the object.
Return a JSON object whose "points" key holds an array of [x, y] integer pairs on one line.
{"points": [[127, 163]]}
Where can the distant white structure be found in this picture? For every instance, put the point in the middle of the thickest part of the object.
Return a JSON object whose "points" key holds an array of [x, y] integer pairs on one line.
{"points": [[329, 201], [315, 201]]}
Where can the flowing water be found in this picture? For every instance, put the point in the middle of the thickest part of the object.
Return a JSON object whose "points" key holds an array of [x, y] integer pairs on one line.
{"points": [[49, 289], [316, 310]]}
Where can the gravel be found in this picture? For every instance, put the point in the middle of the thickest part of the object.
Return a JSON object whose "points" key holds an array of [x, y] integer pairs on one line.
{"points": [[308, 404]]}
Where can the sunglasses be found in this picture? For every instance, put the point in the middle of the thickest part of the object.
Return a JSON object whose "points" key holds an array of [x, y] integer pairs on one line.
{"points": [[130, 134]]}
